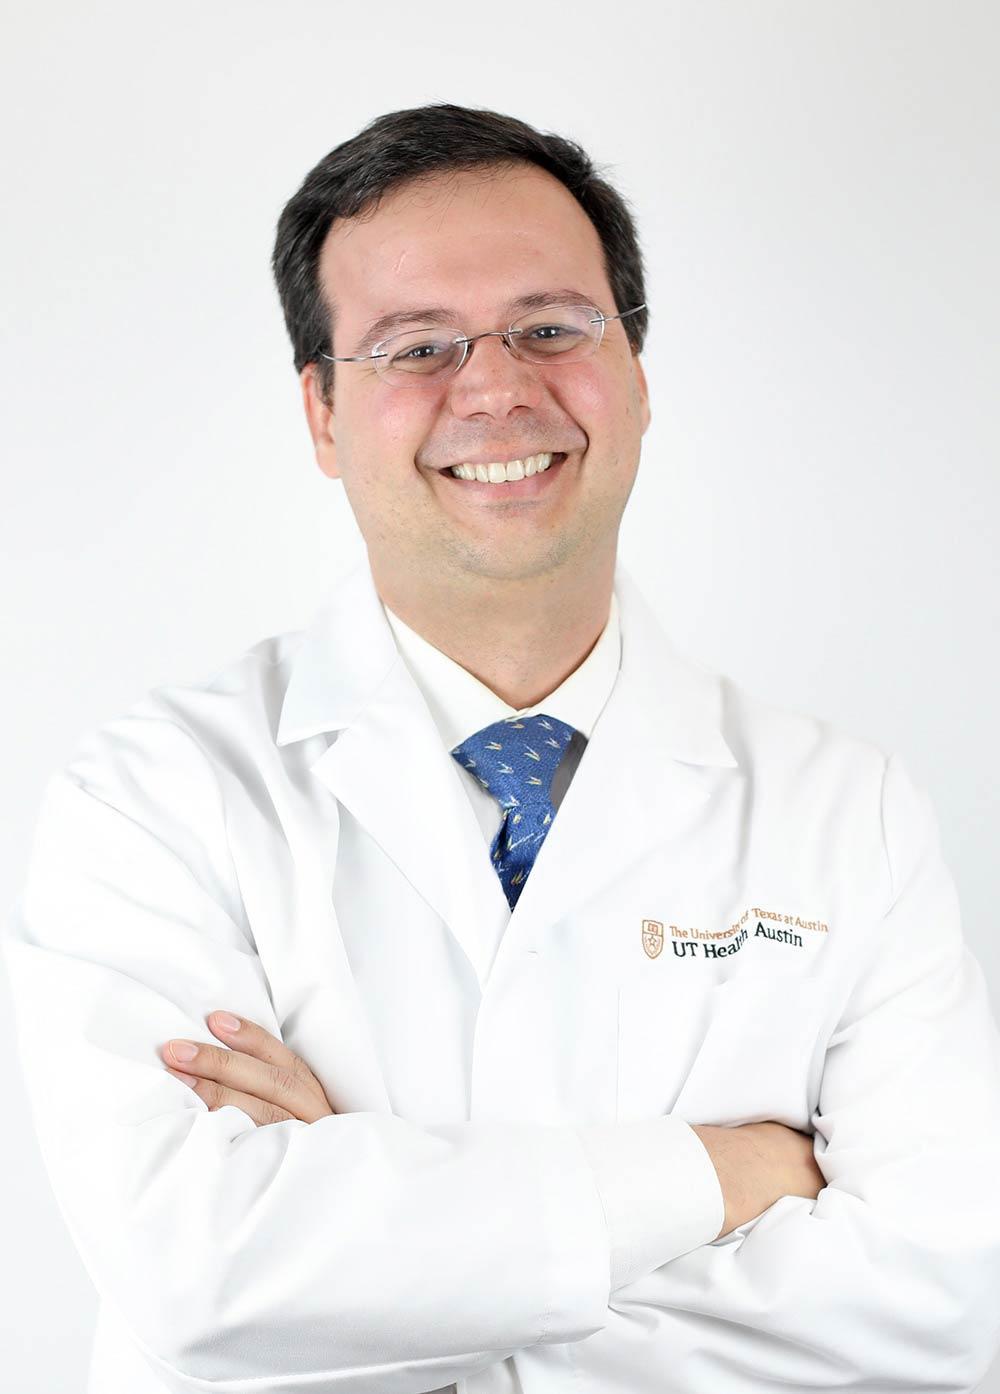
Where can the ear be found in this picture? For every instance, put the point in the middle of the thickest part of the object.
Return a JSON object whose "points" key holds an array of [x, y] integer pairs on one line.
{"points": [[645, 414], [320, 418]]}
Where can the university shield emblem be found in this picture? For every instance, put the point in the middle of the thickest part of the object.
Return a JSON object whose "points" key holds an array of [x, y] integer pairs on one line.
{"points": [[652, 937]]}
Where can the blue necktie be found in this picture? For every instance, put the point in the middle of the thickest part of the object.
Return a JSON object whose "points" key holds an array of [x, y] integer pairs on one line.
{"points": [[514, 760]]}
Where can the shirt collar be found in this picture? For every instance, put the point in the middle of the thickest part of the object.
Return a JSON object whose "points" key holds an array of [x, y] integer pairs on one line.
{"points": [[461, 705]]}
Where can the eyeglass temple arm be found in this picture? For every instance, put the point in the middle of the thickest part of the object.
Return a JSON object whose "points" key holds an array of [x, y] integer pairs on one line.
{"points": [[626, 312], [356, 358]]}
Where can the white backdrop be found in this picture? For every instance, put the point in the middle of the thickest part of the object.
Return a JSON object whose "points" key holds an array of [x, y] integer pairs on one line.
{"points": [[816, 512]]}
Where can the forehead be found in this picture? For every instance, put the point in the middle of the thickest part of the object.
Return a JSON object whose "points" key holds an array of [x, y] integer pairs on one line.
{"points": [[468, 239]]}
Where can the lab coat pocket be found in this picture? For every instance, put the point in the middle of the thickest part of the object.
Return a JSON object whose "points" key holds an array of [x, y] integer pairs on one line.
{"points": [[745, 1050]]}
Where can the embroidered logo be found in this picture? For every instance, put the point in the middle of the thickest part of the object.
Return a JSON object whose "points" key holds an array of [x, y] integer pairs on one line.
{"points": [[652, 937], [755, 923]]}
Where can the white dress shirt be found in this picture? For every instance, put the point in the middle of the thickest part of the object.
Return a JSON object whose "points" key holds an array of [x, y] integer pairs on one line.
{"points": [[461, 705]]}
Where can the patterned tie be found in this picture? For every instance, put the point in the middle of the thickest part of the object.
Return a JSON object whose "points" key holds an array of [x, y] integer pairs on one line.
{"points": [[514, 760]]}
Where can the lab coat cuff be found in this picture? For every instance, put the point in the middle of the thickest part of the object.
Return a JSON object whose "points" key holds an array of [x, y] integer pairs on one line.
{"points": [[575, 1285], [660, 1191]]}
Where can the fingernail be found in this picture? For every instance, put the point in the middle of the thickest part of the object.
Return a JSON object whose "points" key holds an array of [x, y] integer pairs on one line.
{"points": [[225, 1021], [183, 1050], [190, 1080]]}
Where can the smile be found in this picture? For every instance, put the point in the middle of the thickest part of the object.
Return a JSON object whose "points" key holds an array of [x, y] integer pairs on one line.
{"points": [[476, 489], [511, 471]]}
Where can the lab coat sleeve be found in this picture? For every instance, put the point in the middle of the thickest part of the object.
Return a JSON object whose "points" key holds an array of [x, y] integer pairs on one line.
{"points": [[890, 1279], [361, 1252], [660, 1192]]}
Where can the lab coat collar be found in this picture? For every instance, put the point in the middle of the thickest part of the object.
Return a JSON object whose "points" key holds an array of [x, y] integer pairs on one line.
{"points": [[349, 650], [640, 781], [344, 656]]}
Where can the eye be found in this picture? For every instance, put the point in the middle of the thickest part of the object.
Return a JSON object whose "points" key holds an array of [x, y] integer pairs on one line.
{"points": [[551, 330], [419, 351]]}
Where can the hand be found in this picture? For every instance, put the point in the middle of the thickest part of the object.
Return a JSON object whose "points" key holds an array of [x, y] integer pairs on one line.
{"points": [[757, 1164], [258, 1074]]}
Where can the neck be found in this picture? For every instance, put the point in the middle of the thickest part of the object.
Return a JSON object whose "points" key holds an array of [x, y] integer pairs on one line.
{"points": [[521, 638]]}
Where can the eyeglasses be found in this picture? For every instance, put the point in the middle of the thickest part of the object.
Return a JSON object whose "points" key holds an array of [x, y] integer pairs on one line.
{"points": [[555, 334]]}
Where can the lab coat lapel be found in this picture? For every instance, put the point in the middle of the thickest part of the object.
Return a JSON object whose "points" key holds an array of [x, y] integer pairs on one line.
{"points": [[645, 774], [388, 764]]}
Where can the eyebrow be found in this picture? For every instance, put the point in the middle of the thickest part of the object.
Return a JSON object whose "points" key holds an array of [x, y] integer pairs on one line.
{"points": [[439, 314]]}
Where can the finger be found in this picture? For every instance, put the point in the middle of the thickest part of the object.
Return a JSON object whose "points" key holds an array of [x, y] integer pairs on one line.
{"points": [[238, 1073], [216, 1095], [252, 1039], [244, 1074]]}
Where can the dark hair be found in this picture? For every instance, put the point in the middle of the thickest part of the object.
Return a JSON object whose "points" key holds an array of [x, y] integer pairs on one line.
{"points": [[401, 146]]}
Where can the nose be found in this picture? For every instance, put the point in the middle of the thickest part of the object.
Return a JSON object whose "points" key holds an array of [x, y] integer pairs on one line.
{"points": [[492, 380]]}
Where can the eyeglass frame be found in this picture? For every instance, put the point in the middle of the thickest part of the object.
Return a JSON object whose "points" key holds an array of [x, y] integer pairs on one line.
{"points": [[468, 340]]}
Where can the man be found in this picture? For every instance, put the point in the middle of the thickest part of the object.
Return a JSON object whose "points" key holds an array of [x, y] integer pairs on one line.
{"points": [[597, 1025]]}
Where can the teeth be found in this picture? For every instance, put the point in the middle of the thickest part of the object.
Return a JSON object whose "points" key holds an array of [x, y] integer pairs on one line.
{"points": [[500, 474]]}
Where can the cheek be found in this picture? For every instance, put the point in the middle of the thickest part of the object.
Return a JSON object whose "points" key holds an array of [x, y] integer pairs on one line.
{"points": [[598, 399], [401, 427], [389, 425]]}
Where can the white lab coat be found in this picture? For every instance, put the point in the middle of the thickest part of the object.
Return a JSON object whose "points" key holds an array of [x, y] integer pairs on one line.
{"points": [[738, 914]]}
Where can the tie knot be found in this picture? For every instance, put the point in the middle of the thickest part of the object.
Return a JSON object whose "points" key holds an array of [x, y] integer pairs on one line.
{"points": [[515, 759]]}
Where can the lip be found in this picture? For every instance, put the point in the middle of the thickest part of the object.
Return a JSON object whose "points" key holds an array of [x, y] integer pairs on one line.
{"points": [[533, 486]]}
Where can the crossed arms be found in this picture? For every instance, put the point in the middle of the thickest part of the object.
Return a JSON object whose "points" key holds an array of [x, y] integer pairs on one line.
{"points": [[356, 1250]]}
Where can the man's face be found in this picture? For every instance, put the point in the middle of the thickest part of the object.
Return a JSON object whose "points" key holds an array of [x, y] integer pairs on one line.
{"points": [[472, 241]]}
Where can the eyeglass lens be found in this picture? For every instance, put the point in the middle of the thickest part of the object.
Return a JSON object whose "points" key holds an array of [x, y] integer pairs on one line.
{"points": [[562, 333]]}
